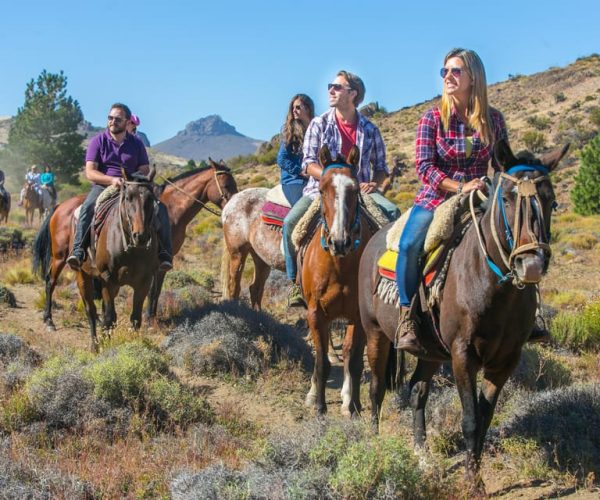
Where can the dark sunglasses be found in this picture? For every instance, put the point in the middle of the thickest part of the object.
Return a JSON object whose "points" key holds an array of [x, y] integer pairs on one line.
{"points": [[456, 72], [337, 87], [299, 106], [117, 119]]}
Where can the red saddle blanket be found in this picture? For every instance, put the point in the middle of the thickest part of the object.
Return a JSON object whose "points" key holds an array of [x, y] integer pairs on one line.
{"points": [[102, 211], [273, 214]]}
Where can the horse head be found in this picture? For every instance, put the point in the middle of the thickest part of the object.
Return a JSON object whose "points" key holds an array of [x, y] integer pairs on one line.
{"points": [[224, 186], [521, 210], [137, 207], [339, 190]]}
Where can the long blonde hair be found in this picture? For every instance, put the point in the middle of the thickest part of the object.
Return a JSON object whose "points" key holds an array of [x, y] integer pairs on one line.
{"points": [[478, 109]]}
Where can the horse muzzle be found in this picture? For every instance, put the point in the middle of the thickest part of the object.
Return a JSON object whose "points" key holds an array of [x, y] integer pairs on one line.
{"points": [[340, 247], [140, 239], [530, 267]]}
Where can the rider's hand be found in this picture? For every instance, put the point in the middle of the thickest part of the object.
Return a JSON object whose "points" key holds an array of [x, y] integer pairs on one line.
{"points": [[368, 187], [116, 181], [474, 184]]}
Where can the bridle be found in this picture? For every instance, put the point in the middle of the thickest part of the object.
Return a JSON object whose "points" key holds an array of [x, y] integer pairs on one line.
{"points": [[325, 231], [527, 196], [123, 215], [204, 205]]}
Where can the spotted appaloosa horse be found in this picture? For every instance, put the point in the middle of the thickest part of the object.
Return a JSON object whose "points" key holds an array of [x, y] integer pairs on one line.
{"points": [[329, 278], [246, 234], [483, 319], [184, 196]]}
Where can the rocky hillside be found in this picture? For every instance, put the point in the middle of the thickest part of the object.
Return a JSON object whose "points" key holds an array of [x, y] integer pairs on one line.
{"points": [[209, 136]]}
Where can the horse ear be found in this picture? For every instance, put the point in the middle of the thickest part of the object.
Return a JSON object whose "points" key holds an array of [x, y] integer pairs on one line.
{"points": [[552, 159], [325, 156], [212, 162], [354, 156], [504, 155]]}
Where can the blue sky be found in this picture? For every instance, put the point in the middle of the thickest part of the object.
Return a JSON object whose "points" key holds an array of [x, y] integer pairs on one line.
{"points": [[177, 61]]}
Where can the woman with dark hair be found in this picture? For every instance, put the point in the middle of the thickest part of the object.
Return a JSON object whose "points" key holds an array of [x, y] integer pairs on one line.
{"points": [[301, 111]]}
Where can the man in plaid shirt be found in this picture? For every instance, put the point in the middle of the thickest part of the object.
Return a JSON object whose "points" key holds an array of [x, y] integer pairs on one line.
{"points": [[340, 128]]}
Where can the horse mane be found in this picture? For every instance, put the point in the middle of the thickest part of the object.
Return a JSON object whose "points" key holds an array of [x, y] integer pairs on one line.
{"points": [[185, 174], [528, 158]]}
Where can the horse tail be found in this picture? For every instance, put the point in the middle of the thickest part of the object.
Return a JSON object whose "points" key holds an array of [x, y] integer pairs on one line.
{"points": [[396, 369], [42, 248], [225, 261]]}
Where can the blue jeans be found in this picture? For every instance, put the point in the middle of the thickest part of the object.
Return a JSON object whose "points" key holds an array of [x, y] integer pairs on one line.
{"points": [[409, 251], [289, 223], [292, 192], [391, 211]]}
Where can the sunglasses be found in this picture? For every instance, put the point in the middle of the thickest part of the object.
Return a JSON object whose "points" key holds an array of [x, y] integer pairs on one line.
{"points": [[456, 72], [337, 87], [298, 107], [116, 119]]}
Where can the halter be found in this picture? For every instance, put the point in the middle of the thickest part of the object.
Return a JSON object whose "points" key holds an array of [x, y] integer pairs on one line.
{"points": [[126, 245], [526, 191], [204, 205], [325, 231]]}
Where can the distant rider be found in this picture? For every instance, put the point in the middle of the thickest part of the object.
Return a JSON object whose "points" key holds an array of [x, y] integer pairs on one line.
{"points": [[31, 177], [47, 182]]}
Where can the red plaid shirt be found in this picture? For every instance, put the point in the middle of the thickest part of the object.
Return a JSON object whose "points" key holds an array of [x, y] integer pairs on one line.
{"points": [[442, 154]]}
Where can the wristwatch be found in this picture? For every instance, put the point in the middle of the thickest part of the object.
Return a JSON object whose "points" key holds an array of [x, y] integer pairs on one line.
{"points": [[461, 183]]}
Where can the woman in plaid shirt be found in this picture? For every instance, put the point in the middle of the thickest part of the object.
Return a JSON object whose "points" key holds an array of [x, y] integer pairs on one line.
{"points": [[453, 148]]}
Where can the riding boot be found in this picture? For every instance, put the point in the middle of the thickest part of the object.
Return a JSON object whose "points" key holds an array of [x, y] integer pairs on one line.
{"points": [[407, 333], [86, 214]]}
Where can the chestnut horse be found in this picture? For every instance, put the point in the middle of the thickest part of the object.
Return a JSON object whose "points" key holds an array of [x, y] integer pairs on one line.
{"points": [[329, 278], [184, 196], [32, 201], [126, 253], [245, 233], [488, 306]]}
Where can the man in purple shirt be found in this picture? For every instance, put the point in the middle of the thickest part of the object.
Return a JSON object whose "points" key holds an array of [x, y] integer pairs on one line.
{"points": [[106, 154]]}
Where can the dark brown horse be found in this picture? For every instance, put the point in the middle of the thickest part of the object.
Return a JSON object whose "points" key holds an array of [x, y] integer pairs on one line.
{"points": [[126, 253], [184, 196], [4, 205], [483, 319], [329, 277]]}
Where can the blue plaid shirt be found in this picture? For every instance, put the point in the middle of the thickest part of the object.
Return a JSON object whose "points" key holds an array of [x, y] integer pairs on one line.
{"points": [[324, 130]]}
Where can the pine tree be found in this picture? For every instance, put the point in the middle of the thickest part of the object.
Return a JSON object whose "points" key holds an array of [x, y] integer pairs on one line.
{"points": [[44, 131], [586, 193]]}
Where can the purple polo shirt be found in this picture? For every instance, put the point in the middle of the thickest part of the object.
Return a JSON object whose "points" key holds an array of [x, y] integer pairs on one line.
{"points": [[110, 156]]}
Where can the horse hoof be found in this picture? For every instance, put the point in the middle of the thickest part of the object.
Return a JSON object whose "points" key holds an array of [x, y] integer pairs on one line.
{"points": [[50, 327], [310, 400]]}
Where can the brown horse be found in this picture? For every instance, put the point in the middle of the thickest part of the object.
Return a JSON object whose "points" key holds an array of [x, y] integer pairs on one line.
{"points": [[184, 196], [126, 253], [329, 278], [245, 233], [4, 205], [32, 201], [483, 320]]}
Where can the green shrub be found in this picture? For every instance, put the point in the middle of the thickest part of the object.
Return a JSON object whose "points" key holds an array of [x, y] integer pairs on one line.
{"points": [[539, 122], [529, 461], [560, 97], [578, 331], [539, 368], [534, 141], [179, 279], [378, 468], [586, 192], [7, 297], [595, 116]]}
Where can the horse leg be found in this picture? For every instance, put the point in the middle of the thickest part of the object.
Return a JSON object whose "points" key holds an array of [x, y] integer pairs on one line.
{"points": [[419, 392], [465, 374], [319, 330], [86, 289], [154, 294], [109, 292], [139, 295], [257, 287], [353, 349], [236, 267], [378, 351], [488, 397], [56, 267]]}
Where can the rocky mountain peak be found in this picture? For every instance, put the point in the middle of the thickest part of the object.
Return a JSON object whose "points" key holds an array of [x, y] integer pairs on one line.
{"points": [[212, 125]]}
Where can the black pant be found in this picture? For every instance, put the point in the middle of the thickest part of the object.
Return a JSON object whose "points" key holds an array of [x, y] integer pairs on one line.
{"points": [[165, 246]]}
